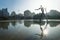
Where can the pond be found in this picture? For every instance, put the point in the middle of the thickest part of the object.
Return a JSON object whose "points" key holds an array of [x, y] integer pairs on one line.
{"points": [[29, 30]]}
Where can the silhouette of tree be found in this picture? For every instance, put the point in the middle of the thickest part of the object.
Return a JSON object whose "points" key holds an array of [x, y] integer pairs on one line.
{"points": [[27, 14], [13, 15], [53, 14]]}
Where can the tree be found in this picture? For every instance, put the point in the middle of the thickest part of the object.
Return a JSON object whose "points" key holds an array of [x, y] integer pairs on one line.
{"points": [[27, 14], [13, 13], [53, 14]]}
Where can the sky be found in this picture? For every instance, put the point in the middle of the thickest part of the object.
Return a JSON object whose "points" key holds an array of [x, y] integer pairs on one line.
{"points": [[19, 6]]}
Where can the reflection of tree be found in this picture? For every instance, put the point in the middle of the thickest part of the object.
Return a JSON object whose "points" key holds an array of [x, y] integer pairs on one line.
{"points": [[53, 23], [4, 25], [38, 22], [13, 23], [20, 21], [27, 23]]}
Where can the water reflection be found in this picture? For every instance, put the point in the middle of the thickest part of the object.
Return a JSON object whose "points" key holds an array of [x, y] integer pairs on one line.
{"points": [[53, 23], [43, 31], [20, 21], [13, 23], [27, 23], [38, 22], [19, 30], [4, 25]]}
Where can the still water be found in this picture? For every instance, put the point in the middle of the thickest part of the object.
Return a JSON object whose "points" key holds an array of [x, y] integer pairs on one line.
{"points": [[29, 30]]}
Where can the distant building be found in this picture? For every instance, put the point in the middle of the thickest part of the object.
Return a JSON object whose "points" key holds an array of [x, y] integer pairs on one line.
{"points": [[1, 14], [5, 12]]}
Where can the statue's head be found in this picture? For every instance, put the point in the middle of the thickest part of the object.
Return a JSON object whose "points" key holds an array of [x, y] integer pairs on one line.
{"points": [[40, 5]]}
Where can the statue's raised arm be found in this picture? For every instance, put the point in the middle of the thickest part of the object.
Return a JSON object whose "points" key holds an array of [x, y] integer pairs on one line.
{"points": [[38, 9], [41, 8]]}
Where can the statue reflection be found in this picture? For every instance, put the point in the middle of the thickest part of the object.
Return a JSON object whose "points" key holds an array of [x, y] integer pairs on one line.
{"points": [[4, 25], [43, 31]]}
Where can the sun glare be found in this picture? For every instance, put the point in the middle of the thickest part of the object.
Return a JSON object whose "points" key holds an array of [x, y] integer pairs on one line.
{"points": [[45, 32]]}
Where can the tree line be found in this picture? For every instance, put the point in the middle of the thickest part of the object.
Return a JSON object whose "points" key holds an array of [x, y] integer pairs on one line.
{"points": [[4, 14]]}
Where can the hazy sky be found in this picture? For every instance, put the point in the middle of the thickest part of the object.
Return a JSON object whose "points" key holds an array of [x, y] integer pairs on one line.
{"points": [[21, 5]]}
